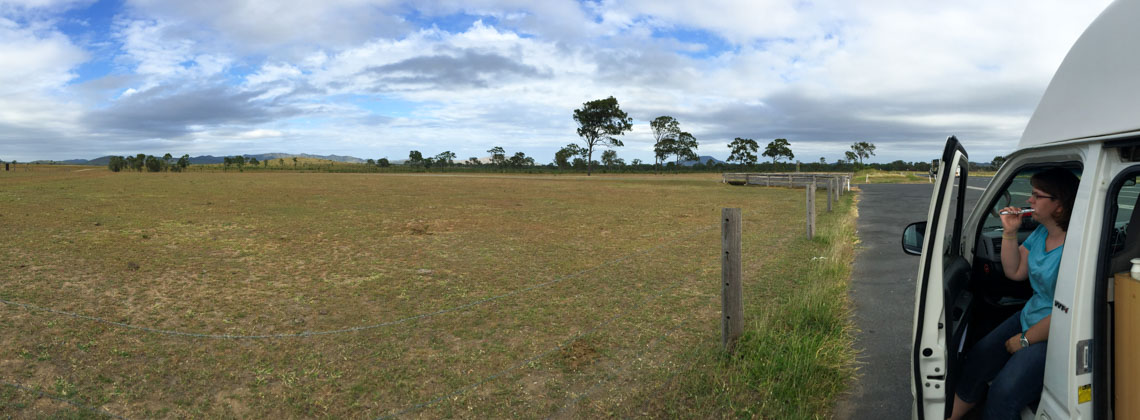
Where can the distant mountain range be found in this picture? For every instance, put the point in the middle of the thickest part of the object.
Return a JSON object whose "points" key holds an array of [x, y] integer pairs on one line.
{"points": [[208, 159], [704, 160]]}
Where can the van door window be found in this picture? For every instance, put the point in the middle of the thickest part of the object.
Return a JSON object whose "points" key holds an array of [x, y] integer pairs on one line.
{"points": [[1117, 311], [1126, 201]]}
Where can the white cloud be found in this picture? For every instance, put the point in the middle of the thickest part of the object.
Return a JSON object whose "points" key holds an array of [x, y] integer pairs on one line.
{"points": [[160, 54], [738, 21], [35, 61], [293, 72], [11, 7], [260, 133], [34, 71], [261, 26]]}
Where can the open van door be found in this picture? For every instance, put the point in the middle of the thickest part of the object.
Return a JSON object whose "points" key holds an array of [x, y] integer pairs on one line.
{"points": [[941, 298]]}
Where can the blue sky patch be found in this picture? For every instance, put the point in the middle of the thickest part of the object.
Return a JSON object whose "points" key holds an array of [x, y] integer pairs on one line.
{"points": [[714, 44], [454, 23]]}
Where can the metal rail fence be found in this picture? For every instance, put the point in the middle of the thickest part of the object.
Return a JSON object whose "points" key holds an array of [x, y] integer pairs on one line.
{"points": [[792, 180]]}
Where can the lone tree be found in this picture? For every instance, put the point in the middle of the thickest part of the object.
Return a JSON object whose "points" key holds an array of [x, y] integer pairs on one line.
{"points": [[415, 158], [498, 156], [665, 131], [610, 158], [997, 162], [683, 148], [743, 151], [139, 162], [153, 164], [116, 164], [445, 158], [520, 160], [863, 150], [598, 121], [851, 156], [779, 148], [563, 158]]}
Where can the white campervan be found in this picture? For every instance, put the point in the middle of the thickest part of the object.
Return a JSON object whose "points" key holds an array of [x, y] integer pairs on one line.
{"points": [[1088, 122]]}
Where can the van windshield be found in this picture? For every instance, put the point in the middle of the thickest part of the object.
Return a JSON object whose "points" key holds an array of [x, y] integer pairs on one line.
{"points": [[1018, 195]]}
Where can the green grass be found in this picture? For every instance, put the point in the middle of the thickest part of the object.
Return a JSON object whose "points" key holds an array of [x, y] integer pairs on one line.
{"points": [[795, 357], [632, 314]]}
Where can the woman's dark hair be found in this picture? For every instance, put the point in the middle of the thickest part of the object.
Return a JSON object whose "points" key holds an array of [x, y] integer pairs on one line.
{"points": [[1061, 184]]}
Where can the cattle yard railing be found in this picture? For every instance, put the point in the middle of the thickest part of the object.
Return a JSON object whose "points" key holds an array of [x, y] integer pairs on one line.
{"points": [[792, 180]]}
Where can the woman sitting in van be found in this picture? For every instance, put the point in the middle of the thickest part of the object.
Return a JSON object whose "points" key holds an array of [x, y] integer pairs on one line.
{"points": [[1012, 356]]}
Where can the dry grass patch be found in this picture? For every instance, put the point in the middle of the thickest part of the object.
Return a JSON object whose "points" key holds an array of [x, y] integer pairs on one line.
{"points": [[477, 296]]}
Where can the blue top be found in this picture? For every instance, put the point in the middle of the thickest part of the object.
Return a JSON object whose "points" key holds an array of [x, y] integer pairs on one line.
{"points": [[1043, 267]]}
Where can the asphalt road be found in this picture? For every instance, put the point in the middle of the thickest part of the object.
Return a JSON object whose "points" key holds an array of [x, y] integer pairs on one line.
{"points": [[882, 294]]}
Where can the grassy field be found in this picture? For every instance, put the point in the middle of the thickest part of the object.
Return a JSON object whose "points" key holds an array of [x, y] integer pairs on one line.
{"points": [[257, 294]]}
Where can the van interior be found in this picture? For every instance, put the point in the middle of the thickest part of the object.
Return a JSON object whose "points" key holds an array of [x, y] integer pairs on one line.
{"points": [[981, 297]]}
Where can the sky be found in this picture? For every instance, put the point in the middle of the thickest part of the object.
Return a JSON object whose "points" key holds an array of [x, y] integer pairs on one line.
{"points": [[379, 78]]}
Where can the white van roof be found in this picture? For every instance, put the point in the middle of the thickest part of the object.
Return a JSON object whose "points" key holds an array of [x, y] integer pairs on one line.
{"points": [[1096, 91]]}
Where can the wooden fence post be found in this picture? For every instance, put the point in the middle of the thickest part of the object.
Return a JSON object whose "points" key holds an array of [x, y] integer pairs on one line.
{"points": [[830, 193], [732, 307], [811, 211]]}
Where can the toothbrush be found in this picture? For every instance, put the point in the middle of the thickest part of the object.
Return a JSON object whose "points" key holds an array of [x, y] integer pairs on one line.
{"points": [[1021, 211]]}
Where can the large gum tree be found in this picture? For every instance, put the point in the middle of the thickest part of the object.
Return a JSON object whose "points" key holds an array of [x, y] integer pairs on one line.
{"points": [[598, 122]]}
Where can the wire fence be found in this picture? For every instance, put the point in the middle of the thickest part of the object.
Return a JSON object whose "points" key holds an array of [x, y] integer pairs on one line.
{"points": [[357, 328], [559, 346]]}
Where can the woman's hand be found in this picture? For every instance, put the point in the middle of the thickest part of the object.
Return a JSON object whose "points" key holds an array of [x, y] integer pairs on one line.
{"points": [[1010, 222], [1013, 344]]}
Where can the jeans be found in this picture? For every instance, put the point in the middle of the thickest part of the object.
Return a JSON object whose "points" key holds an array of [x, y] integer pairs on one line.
{"points": [[1016, 378]]}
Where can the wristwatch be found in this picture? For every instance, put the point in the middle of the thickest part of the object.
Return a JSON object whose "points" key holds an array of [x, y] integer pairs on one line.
{"points": [[1024, 341]]}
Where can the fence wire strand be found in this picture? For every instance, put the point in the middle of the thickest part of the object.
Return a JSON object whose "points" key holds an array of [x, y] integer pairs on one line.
{"points": [[557, 347], [44, 394], [614, 373], [357, 328]]}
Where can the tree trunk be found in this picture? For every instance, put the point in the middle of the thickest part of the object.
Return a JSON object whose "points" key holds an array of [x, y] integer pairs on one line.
{"points": [[589, 158]]}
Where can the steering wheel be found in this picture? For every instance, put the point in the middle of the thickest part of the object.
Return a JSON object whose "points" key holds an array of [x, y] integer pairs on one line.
{"points": [[1008, 199]]}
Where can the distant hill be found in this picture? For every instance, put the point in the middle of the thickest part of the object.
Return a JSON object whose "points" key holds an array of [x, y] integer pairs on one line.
{"points": [[335, 158], [209, 159], [704, 160]]}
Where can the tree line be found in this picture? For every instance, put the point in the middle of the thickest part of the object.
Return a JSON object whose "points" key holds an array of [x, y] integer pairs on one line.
{"points": [[447, 158], [599, 123], [150, 163]]}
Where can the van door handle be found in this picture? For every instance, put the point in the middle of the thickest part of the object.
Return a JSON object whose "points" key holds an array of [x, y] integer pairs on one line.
{"points": [[1084, 357]]}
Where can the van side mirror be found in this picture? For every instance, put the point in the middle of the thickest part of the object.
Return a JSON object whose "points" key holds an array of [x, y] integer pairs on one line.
{"points": [[912, 238]]}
